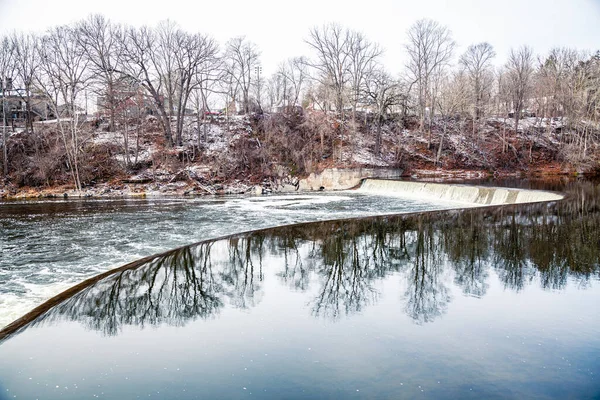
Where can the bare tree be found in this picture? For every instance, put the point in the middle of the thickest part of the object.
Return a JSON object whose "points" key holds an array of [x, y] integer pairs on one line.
{"points": [[563, 82], [519, 74], [116, 92], [167, 62], [551, 82], [195, 56], [208, 76], [382, 92], [289, 81], [363, 56], [164, 61], [64, 77], [453, 99], [139, 64], [276, 87], [331, 43], [477, 63], [26, 63], [430, 48], [242, 58], [581, 100], [230, 87], [503, 101], [7, 70], [100, 39]]}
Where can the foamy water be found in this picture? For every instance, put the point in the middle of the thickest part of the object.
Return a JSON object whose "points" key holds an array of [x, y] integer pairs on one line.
{"points": [[46, 247]]}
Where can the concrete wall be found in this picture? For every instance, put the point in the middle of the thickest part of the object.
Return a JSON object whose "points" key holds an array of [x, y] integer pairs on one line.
{"points": [[339, 179], [459, 193]]}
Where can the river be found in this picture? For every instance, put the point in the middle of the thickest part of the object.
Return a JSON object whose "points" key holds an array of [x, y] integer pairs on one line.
{"points": [[48, 246], [492, 302]]}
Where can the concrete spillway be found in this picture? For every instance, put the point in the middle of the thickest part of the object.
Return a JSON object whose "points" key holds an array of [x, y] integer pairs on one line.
{"points": [[459, 193]]}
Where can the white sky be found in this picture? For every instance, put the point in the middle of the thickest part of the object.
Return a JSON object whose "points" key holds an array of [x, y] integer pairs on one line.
{"points": [[279, 27]]}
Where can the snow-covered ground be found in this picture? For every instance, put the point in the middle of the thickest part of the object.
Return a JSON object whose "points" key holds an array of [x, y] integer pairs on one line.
{"points": [[528, 123]]}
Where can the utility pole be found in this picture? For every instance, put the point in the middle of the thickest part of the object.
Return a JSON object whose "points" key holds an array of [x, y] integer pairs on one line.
{"points": [[258, 70]]}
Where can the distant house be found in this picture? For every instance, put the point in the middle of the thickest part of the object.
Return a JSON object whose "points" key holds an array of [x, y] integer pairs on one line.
{"points": [[233, 108], [14, 102], [125, 103], [67, 111], [131, 103], [284, 107]]}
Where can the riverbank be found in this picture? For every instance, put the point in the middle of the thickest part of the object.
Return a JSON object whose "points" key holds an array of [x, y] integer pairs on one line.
{"points": [[174, 185], [250, 155]]}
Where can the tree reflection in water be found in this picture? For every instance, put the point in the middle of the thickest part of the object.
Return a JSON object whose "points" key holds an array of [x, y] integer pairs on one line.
{"points": [[426, 294], [343, 262], [171, 289], [468, 251]]}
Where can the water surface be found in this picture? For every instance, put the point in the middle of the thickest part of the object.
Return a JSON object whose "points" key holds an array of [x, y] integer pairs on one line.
{"points": [[48, 246], [495, 302]]}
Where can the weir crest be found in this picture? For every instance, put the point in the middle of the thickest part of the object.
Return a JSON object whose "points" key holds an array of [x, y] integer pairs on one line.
{"points": [[482, 195]]}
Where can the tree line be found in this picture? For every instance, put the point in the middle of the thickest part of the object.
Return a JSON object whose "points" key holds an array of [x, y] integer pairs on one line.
{"points": [[171, 73]]}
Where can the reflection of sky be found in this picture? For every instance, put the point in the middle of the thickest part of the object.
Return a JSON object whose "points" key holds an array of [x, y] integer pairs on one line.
{"points": [[506, 343]]}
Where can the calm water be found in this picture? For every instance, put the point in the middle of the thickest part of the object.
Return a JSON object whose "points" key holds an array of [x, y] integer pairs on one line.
{"points": [[47, 247], [482, 303]]}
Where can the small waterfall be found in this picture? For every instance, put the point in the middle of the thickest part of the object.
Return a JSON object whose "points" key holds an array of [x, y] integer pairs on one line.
{"points": [[457, 193]]}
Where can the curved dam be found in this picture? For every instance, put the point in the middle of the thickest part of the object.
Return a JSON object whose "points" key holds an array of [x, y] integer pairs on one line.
{"points": [[466, 194]]}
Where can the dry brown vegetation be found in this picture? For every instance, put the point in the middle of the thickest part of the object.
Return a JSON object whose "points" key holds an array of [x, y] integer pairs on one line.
{"points": [[282, 145]]}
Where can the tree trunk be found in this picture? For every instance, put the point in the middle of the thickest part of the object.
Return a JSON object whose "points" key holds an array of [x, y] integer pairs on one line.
{"points": [[28, 112], [111, 104], [166, 124], [353, 145], [4, 138], [137, 142], [517, 117], [205, 127], [439, 152], [5, 148], [378, 137], [198, 125], [126, 144], [504, 145], [322, 142]]}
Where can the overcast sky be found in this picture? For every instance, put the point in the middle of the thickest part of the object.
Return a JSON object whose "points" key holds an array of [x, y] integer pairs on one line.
{"points": [[279, 27]]}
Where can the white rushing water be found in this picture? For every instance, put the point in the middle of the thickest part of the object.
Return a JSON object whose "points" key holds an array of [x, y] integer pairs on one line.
{"points": [[48, 246], [465, 194]]}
